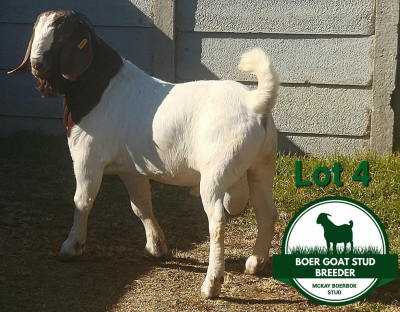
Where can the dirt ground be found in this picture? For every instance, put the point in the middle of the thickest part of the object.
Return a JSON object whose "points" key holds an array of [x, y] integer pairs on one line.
{"points": [[36, 213], [113, 276]]}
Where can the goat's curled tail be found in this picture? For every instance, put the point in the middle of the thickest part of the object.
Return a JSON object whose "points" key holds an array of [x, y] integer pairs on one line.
{"points": [[351, 224], [262, 100]]}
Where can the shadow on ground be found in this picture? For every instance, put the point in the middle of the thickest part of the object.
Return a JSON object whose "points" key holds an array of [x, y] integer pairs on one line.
{"points": [[36, 212]]}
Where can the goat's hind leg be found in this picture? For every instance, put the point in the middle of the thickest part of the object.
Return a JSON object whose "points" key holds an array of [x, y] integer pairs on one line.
{"points": [[140, 195], [260, 180], [88, 180], [212, 197]]}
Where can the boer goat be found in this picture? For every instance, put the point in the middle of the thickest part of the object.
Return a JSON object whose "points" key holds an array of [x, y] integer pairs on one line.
{"points": [[215, 136], [336, 234]]}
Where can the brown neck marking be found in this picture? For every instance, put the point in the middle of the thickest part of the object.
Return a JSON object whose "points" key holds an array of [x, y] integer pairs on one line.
{"points": [[83, 94]]}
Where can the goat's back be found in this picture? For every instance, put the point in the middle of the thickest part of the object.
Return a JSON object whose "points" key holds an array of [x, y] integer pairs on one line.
{"points": [[171, 132]]}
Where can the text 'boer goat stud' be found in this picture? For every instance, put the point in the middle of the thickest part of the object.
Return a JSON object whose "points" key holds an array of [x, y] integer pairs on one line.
{"points": [[214, 135]]}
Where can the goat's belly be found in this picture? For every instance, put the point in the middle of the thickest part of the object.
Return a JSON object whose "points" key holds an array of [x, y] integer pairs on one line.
{"points": [[182, 176], [187, 178]]}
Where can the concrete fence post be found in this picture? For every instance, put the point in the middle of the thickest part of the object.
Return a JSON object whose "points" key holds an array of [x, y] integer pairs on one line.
{"points": [[164, 39], [385, 63]]}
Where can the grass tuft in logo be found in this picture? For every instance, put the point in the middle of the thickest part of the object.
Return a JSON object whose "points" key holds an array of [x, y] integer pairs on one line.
{"points": [[335, 251]]}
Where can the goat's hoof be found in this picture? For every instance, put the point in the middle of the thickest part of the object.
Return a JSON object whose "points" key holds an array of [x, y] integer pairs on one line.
{"points": [[211, 289], [254, 264], [70, 252], [65, 257], [156, 252]]}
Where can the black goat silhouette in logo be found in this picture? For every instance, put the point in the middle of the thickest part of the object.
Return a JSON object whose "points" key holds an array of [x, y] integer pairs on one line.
{"points": [[336, 234]]}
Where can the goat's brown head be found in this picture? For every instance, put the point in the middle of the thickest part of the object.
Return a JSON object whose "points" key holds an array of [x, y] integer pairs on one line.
{"points": [[322, 218], [60, 48]]}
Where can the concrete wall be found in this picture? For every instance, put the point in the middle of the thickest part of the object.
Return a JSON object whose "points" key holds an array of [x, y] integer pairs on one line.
{"points": [[336, 60], [324, 52], [125, 25]]}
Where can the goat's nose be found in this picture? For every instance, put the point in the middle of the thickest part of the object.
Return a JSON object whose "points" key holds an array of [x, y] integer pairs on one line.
{"points": [[37, 65]]}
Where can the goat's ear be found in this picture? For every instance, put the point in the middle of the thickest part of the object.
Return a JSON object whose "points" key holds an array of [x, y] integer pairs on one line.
{"points": [[23, 68], [77, 53]]}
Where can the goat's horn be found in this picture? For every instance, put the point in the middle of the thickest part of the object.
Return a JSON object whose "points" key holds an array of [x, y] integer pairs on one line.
{"points": [[22, 69]]}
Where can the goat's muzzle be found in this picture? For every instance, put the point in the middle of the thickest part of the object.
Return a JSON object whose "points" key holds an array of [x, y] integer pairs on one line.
{"points": [[41, 69]]}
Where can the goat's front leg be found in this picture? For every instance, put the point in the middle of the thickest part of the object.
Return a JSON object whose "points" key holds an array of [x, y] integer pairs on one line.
{"points": [[139, 192], [213, 205], [88, 180]]}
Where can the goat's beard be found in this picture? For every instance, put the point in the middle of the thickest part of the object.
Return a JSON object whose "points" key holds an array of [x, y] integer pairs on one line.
{"points": [[47, 88], [51, 86]]}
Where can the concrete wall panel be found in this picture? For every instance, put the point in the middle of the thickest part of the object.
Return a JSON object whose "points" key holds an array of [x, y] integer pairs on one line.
{"points": [[320, 110], [19, 97], [131, 43], [297, 59], [10, 124], [100, 12], [274, 16], [322, 145]]}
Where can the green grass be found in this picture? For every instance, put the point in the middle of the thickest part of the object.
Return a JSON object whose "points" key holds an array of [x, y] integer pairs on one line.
{"points": [[320, 250], [367, 250], [382, 195]]}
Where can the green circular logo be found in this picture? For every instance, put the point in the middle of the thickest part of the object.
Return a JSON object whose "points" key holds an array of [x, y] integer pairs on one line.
{"points": [[335, 251]]}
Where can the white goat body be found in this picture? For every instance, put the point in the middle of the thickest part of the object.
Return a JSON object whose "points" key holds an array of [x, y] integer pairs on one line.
{"points": [[206, 133], [215, 135], [171, 133]]}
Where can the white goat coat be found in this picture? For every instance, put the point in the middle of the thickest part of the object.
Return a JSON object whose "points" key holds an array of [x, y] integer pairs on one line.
{"points": [[217, 135], [169, 132], [214, 136]]}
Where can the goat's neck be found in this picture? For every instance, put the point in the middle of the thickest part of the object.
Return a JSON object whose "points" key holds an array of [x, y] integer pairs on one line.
{"points": [[82, 95], [328, 224]]}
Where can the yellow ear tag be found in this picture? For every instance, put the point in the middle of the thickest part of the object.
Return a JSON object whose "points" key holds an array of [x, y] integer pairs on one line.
{"points": [[82, 44]]}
